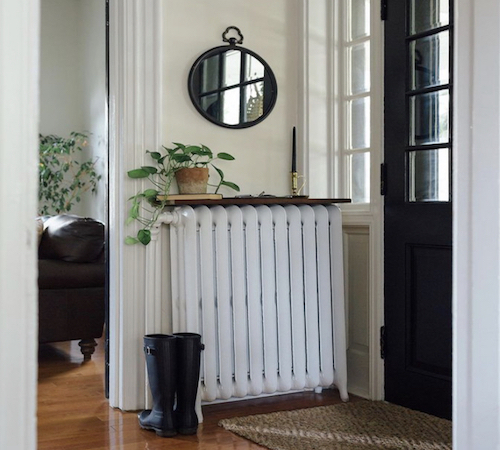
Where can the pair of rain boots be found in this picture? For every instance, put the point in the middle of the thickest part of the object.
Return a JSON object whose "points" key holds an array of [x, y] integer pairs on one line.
{"points": [[173, 365]]}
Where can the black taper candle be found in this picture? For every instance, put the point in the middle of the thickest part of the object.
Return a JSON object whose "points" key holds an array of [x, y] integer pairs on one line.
{"points": [[294, 151]]}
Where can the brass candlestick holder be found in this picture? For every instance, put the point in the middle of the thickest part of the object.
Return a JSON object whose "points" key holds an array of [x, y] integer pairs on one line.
{"points": [[295, 183], [295, 178]]}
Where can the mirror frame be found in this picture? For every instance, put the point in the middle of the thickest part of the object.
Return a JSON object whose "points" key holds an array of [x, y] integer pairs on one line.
{"points": [[217, 51]]}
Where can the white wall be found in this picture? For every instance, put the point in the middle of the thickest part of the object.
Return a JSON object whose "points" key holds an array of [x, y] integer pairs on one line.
{"points": [[94, 92], [60, 68], [73, 81], [262, 152]]}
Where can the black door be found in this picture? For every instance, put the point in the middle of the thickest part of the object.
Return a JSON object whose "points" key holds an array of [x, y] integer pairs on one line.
{"points": [[418, 214]]}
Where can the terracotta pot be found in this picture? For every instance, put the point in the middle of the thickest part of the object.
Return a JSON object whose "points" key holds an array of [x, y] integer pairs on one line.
{"points": [[192, 180]]}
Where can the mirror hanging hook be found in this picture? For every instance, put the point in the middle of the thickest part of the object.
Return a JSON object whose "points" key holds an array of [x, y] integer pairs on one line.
{"points": [[232, 40]]}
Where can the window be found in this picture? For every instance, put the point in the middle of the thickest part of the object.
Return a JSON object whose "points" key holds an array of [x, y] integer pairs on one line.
{"points": [[356, 98]]}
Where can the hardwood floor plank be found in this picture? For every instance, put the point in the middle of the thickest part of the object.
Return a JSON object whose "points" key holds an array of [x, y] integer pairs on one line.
{"points": [[74, 415]]}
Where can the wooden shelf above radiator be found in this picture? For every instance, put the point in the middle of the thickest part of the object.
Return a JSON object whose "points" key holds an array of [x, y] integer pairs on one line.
{"points": [[297, 200]]}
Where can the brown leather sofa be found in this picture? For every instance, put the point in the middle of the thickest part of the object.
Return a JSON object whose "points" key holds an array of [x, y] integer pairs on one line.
{"points": [[71, 281]]}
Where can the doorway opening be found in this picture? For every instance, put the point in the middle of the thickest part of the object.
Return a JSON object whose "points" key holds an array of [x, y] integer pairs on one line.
{"points": [[74, 96]]}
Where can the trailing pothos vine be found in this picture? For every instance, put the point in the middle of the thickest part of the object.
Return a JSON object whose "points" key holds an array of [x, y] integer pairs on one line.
{"points": [[148, 204]]}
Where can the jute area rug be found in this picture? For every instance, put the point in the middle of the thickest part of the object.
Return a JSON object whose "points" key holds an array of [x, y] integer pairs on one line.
{"points": [[362, 425]]}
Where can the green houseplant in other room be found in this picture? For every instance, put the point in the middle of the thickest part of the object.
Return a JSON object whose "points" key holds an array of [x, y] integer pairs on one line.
{"points": [[63, 177], [171, 164]]}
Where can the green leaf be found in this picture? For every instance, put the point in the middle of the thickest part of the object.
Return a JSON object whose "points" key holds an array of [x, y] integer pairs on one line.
{"points": [[177, 144], [153, 201], [149, 169], [205, 151], [180, 158], [155, 155], [204, 147], [150, 193], [144, 236], [138, 173], [195, 149], [129, 240], [231, 185], [220, 172], [134, 211], [225, 156]]}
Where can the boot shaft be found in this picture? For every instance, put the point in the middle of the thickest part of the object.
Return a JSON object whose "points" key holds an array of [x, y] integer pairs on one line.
{"points": [[189, 349], [161, 358], [160, 352]]}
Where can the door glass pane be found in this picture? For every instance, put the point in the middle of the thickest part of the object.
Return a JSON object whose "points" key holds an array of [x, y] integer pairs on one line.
{"points": [[359, 169], [359, 113], [428, 14], [429, 118], [429, 175], [429, 61], [359, 57], [360, 25]]}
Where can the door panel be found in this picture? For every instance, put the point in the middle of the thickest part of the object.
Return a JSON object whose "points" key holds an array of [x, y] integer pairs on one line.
{"points": [[418, 211], [429, 344]]}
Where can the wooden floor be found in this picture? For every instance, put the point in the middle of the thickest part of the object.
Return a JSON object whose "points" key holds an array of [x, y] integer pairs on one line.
{"points": [[74, 414]]}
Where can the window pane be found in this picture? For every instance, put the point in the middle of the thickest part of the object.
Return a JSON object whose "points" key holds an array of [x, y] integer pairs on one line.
{"points": [[359, 114], [360, 25], [231, 68], [429, 175], [254, 69], [210, 104], [428, 14], [231, 106], [430, 61], [359, 169], [209, 79], [429, 118], [254, 101], [359, 57]]}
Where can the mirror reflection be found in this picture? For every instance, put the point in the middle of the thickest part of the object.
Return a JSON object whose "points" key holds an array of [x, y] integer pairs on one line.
{"points": [[232, 87]]}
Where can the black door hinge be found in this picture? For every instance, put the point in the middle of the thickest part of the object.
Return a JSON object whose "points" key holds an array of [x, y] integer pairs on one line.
{"points": [[383, 9], [382, 342], [383, 179]]}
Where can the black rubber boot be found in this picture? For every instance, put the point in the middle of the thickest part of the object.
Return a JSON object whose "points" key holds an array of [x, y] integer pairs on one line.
{"points": [[189, 347], [160, 351]]}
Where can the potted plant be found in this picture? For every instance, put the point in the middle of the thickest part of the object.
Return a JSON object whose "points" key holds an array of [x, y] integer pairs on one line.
{"points": [[63, 179], [148, 204]]}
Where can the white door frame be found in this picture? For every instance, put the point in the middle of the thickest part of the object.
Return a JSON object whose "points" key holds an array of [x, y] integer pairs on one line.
{"points": [[135, 125], [19, 57], [476, 218]]}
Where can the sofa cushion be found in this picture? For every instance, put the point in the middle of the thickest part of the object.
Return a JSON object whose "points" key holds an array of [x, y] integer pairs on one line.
{"points": [[72, 238], [55, 274]]}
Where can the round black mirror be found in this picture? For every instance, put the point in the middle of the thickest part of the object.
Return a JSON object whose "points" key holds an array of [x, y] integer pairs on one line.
{"points": [[232, 86]]}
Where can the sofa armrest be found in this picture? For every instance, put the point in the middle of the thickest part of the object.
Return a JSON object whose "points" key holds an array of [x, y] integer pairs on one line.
{"points": [[72, 238]]}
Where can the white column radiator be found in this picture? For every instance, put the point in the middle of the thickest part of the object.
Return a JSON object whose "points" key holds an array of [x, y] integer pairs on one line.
{"points": [[263, 285]]}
